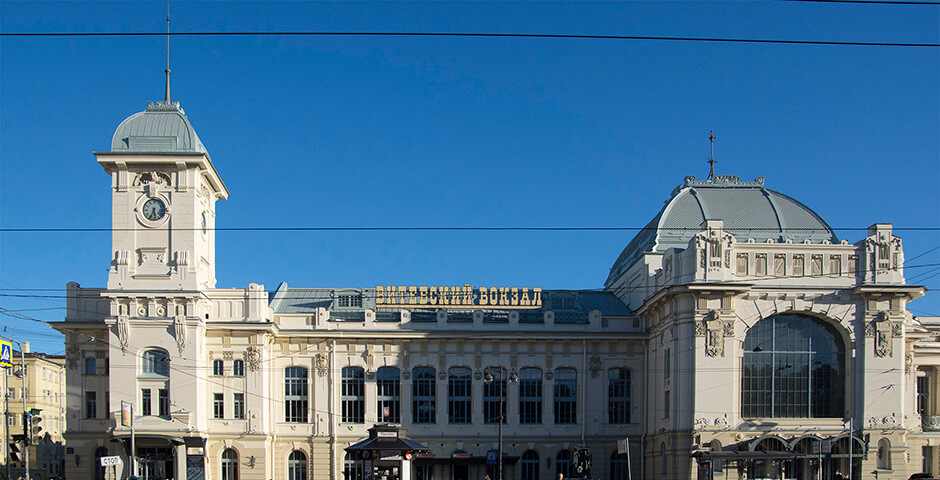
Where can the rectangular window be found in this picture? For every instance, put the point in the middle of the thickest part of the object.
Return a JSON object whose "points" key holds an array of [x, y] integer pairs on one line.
{"points": [[145, 401], [91, 405], [666, 404], [798, 265], [780, 265], [618, 395], [295, 395], [238, 406], [816, 265], [424, 395], [353, 395], [164, 400], [11, 392], [923, 393], [667, 363], [388, 394], [494, 391], [90, 367], [458, 395], [835, 264], [760, 264], [530, 396], [852, 265], [218, 367], [238, 368], [218, 405], [349, 301], [566, 396], [11, 420]]}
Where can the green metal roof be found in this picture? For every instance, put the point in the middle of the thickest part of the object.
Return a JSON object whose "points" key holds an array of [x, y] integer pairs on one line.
{"points": [[162, 128], [747, 208]]}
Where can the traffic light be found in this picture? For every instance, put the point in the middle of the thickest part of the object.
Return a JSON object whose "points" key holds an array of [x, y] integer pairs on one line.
{"points": [[35, 426], [16, 455]]}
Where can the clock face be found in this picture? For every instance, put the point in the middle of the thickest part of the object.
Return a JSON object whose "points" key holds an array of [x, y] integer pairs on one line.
{"points": [[154, 209]]}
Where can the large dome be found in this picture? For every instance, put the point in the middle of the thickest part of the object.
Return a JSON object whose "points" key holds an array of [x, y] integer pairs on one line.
{"points": [[162, 128], [747, 208]]}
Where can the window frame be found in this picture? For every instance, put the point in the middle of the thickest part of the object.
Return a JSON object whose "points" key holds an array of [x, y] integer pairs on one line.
{"points": [[353, 395], [459, 396], [424, 395], [296, 394]]}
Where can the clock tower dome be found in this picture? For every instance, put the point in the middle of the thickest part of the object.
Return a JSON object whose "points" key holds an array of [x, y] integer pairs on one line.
{"points": [[163, 193]]}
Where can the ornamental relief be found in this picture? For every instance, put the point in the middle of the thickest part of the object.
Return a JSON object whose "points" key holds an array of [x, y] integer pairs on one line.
{"points": [[253, 358], [714, 329], [884, 334], [146, 178], [595, 366]]}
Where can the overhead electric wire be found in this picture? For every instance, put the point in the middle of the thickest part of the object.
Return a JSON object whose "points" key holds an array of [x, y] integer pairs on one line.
{"points": [[302, 33], [444, 229]]}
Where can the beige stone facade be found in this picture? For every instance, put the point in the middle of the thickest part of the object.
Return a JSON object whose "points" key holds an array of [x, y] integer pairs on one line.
{"points": [[736, 337]]}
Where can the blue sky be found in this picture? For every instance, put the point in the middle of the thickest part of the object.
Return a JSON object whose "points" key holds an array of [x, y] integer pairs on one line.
{"points": [[377, 131]]}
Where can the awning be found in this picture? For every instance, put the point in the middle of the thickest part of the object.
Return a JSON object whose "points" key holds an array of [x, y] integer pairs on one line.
{"points": [[402, 444], [145, 436]]}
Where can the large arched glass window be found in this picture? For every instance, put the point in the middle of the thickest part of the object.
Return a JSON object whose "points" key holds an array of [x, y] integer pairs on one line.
{"points": [[794, 367], [530, 465], [297, 466], [388, 394], [229, 464], [155, 363], [353, 467]]}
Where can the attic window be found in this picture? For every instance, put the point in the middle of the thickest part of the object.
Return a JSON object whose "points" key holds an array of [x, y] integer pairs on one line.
{"points": [[349, 301], [562, 303]]}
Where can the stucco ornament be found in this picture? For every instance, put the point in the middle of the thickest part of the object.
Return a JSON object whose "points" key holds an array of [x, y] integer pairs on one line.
{"points": [[595, 366], [71, 356], [123, 330], [884, 335], [253, 358], [715, 330], [179, 330], [323, 364]]}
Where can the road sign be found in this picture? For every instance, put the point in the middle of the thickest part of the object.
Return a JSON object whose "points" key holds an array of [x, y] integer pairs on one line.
{"points": [[491, 457], [622, 446], [6, 354], [108, 461]]}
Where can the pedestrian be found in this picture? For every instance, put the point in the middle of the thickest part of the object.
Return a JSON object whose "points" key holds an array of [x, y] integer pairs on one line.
{"points": [[838, 475]]}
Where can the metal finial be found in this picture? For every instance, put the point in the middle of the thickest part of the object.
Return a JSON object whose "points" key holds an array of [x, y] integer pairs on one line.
{"points": [[711, 158], [167, 71]]}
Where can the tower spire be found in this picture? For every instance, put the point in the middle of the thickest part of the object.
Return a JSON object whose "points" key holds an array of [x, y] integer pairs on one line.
{"points": [[711, 159], [166, 97]]}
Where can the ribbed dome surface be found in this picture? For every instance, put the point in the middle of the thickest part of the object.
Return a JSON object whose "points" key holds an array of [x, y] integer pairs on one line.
{"points": [[747, 208], [162, 128]]}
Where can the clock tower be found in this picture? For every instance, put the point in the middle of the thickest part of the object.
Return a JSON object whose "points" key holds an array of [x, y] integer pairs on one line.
{"points": [[163, 193]]}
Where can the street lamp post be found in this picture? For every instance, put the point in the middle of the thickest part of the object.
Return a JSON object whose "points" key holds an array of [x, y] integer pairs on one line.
{"points": [[488, 379]]}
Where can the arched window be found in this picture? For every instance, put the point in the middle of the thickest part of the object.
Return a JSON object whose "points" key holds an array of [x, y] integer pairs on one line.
{"points": [[155, 363], [563, 463], [424, 395], [663, 461], [353, 395], [530, 465], [619, 466], [618, 395], [229, 464], [297, 466], [794, 367], [353, 467], [388, 394], [295, 394], [100, 471]]}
